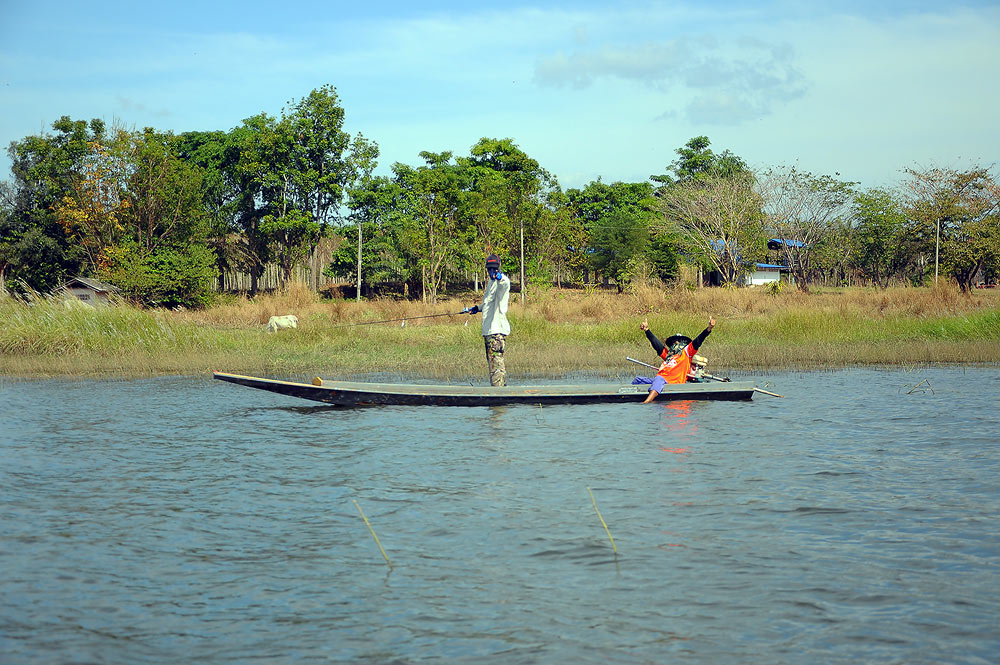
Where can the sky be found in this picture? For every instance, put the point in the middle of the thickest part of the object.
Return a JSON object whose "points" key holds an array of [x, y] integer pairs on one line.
{"points": [[856, 90]]}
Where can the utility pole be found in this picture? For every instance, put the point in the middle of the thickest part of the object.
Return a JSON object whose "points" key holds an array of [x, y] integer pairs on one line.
{"points": [[523, 287], [359, 262], [937, 248]]}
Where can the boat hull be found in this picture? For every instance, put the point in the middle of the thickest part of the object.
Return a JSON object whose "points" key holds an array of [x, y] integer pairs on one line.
{"points": [[349, 393]]}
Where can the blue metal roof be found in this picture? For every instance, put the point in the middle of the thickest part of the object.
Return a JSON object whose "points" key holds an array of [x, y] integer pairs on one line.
{"points": [[788, 243]]}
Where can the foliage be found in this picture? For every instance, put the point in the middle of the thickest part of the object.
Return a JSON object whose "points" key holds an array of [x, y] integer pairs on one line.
{"points": [[45, 169], [616, 220], [128, 205], [961, 211], [166, 277], [883, 242], [801, 208], [618, 241], [721, 222], [696, 161]]}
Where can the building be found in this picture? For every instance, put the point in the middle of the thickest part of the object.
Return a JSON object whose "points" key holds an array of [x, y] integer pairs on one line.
{"points": [[87, 290], [765, 273]]}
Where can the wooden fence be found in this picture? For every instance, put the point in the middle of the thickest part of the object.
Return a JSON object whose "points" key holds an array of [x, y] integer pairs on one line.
{"points": [[308, 272]]}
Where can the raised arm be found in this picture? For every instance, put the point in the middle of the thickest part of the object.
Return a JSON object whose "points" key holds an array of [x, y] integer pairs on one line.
{"points": [[653, 340], [700, 339]]}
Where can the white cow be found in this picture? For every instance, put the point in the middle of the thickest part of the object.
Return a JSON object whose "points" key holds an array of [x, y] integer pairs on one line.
{"points": [[276, 323]]}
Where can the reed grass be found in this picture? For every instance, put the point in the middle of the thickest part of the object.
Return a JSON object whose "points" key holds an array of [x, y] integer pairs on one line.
{"points": [[559, 332]]}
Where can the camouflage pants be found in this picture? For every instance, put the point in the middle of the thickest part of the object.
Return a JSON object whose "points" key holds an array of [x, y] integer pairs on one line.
{"points": [[494, 356]]}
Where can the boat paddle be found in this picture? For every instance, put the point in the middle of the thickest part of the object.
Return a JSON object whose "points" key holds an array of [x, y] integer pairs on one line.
{"points": [[708, 376]]}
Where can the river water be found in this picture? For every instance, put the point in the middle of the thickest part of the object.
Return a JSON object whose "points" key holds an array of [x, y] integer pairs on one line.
{"points": [[184, 520]]}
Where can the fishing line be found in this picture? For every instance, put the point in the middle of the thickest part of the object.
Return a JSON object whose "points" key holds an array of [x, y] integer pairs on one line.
{"points": [[405, 318]]}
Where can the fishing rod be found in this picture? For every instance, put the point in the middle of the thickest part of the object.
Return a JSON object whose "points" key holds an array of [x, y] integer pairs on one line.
{"points": [[403, 319], [705, 375]]}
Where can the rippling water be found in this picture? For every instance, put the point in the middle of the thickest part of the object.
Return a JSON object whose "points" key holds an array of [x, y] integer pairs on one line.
{"points": [[185, 520]]}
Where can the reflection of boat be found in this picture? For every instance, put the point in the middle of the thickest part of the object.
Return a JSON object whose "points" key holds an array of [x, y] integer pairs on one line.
{"points": [[348, 393]]}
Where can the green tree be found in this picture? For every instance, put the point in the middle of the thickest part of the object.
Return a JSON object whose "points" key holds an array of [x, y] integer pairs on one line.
{"points": [[433, 226], [617, 240], [210, 152], [365, 195], [318, 164], [959, 209], [292, 172], [883, 245], [138, 209], [167, 277], [616, 219], [292, 234], [46, 169], [696, 161], [252, 183], [512, 190]]}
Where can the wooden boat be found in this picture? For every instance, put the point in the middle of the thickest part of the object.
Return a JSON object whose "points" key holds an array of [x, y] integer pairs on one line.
{"points": [[349, 393]]}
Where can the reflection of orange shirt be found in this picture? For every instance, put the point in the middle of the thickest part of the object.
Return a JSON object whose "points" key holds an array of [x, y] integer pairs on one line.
{"points": [[675, 368]]}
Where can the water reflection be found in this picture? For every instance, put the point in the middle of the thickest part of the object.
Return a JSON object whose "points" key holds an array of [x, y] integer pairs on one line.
{"points": [[675, 419]]}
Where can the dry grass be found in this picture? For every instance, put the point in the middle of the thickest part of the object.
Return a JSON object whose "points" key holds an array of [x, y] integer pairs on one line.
{"points": [[559, 332]]}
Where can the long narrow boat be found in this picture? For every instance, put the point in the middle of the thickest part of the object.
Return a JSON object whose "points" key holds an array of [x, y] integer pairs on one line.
{"points": [[349, 393]]}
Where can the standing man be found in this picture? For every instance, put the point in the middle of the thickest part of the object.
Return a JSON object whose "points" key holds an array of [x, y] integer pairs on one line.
{"points": [[495, 324]]}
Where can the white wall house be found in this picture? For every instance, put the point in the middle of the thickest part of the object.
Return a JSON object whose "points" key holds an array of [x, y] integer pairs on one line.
{"points": [[87, 290], [765, 273]]}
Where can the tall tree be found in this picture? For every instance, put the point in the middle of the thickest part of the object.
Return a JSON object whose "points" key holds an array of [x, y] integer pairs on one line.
{"points": [[617, 219], [801, 209], [253, 182], [46, 169], [318, 166], [960, 210], [287, 179], [721, 222], [363, 193], [516, 185], [883, 245], [210, 152], [696, 161], [434, 229]]}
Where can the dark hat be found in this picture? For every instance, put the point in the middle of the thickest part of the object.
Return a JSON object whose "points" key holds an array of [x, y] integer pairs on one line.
{"points": [[678, 339], [492, 261]]}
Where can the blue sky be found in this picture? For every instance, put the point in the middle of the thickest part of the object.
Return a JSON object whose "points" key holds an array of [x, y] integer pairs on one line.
{"points": [[589, 89]]}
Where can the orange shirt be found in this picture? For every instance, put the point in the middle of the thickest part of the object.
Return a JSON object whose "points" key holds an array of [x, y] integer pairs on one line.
{"points": [[675, 368]]}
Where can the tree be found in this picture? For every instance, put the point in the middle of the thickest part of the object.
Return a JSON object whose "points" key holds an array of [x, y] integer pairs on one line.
{"points": [[292, 234], [800, 209], [696, 161], [210, 152], [961, 209], [617, 219], [363, 193], [137, 209], [617, 240], [516, 186], [317, 165], [252, 182], [720, 220], [883, 245], [434, 227], [291, 171], [46, 169]]}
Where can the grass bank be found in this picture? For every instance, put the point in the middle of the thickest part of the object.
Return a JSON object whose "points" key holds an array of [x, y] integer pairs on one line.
{"points": [[558, 332]]}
